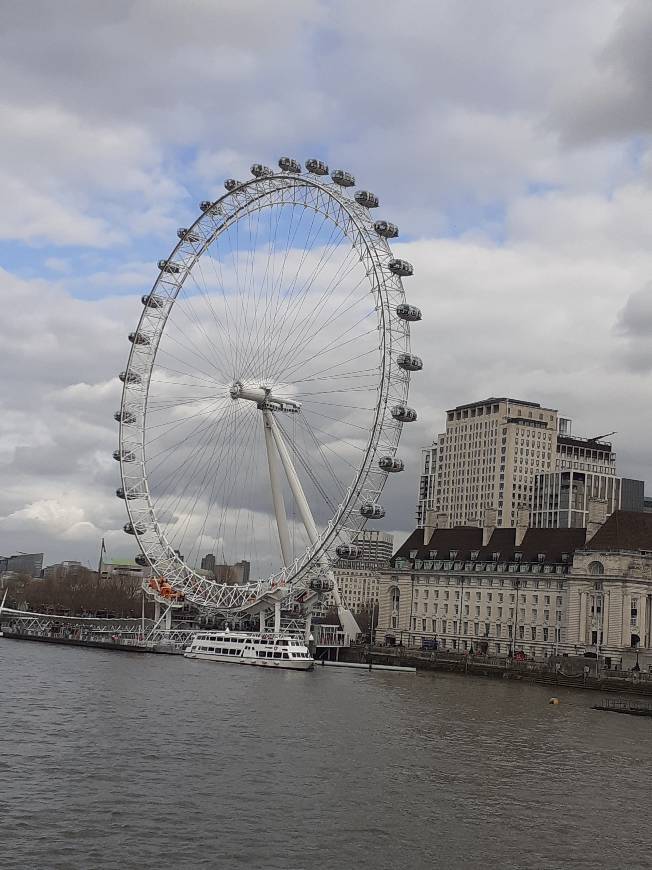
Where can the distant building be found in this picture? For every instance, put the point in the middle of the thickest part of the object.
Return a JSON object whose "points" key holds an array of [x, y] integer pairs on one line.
{"points": [[30, 564], [125, 568], [233, 574], [62, 569], [208, 563], [358, 579]]}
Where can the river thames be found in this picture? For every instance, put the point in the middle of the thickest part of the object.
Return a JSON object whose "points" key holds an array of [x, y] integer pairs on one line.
{"points": [[116, 760]]}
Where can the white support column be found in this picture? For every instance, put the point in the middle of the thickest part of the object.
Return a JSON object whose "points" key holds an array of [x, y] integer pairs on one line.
{"points": [[277, 490], [168, 619], [277, 617], [261, 617], [349, 623], [157, 611]]}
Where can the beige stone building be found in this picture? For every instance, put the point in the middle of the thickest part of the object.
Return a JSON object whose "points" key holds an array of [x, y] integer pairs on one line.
{"points": [[487, 458], [358, 580], [499, 591]]}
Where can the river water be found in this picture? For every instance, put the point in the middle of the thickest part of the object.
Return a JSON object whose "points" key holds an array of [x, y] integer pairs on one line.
{"points": [[116, 760]]}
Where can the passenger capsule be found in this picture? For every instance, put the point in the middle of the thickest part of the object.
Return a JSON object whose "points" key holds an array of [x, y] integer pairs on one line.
{"points": [[368, 200], [385, 229], [125, 456], [390, 464], [130, 495], [142, 561], [187, 235], [321, 584], [317, 167], [124, 417], [137, 529], [231, 184], [409, 362], [138, 338], [260, 171], [401, 268], [169, 266], [287, 164], [130, 378], [372, 511], [348, 551], [404, 414], [151, 301], [343, 178], [205, 205], [408, 312]]}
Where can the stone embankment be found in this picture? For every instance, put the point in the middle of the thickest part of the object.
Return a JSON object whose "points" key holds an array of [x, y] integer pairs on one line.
{"points": [[574, 673]]}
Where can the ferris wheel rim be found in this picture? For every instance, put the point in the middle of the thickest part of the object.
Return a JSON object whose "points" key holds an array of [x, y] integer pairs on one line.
{"points": [[163, 558]]}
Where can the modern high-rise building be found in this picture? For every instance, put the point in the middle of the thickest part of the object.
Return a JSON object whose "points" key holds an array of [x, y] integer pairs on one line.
{"points": [[375, 545], [487, 458], [585, 470], [30, 564], [208, 562]]}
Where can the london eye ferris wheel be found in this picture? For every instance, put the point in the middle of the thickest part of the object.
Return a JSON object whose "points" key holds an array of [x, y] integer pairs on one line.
{"points": [[266, 387]]}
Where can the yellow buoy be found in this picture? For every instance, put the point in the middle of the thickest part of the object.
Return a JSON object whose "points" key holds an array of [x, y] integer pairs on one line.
{"points": [[553, 701]]}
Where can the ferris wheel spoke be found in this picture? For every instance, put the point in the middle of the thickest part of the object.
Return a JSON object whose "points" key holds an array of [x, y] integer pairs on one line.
{"points": [[279, 289], [192, 468], [202, 287], [331, 347], [193, 351], [199, 428], [185, 307], [328, 249], [344, 307], [204, 479], [298, 325]]}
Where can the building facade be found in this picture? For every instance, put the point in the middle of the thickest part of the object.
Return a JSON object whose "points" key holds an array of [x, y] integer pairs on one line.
{"points": [[542, 592], [30, 564], [585, 470], [487, 458], [358, 580]]}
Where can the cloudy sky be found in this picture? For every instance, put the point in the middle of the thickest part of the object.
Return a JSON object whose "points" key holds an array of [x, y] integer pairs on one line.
{"points": [[510, 140]]}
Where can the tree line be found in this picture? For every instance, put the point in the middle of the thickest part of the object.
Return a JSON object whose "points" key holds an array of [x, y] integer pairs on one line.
{"points": [[77, 593]]}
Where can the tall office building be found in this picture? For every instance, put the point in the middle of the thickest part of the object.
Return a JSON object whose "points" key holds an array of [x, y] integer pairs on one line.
{"points": [[585, 469], [487, 458], [208, 562], [30, 564]]}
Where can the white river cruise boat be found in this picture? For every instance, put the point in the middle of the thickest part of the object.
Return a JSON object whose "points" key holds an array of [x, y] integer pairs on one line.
{"points": [[245, 648]]}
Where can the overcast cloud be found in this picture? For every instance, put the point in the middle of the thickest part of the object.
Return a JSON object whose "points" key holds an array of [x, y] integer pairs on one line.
{"points": [[511, 142]]}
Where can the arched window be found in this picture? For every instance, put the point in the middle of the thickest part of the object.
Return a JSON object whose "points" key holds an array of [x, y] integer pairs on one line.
{"points": [[596, 568], [396, 597]]}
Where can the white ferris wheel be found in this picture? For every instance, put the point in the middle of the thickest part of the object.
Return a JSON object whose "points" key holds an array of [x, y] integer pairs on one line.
{"points": [[266, 389]]}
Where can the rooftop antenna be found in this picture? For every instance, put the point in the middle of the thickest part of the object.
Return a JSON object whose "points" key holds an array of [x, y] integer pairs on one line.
{"points": [[600, 437]]}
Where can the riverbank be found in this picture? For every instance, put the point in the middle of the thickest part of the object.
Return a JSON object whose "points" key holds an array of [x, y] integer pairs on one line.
{"points": [[117, 645], [553, 673]]}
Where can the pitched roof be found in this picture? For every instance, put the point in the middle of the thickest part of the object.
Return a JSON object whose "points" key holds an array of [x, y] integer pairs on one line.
{"points": [[463, 540], [624, 530]]}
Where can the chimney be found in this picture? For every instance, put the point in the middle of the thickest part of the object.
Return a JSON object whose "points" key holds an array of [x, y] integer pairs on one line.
{"points": [[597, 516], [522, 522], [433, 521], [489, 524]]}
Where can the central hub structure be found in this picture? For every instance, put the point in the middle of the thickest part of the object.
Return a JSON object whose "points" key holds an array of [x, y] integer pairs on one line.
{"points": [[263, 397]]}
